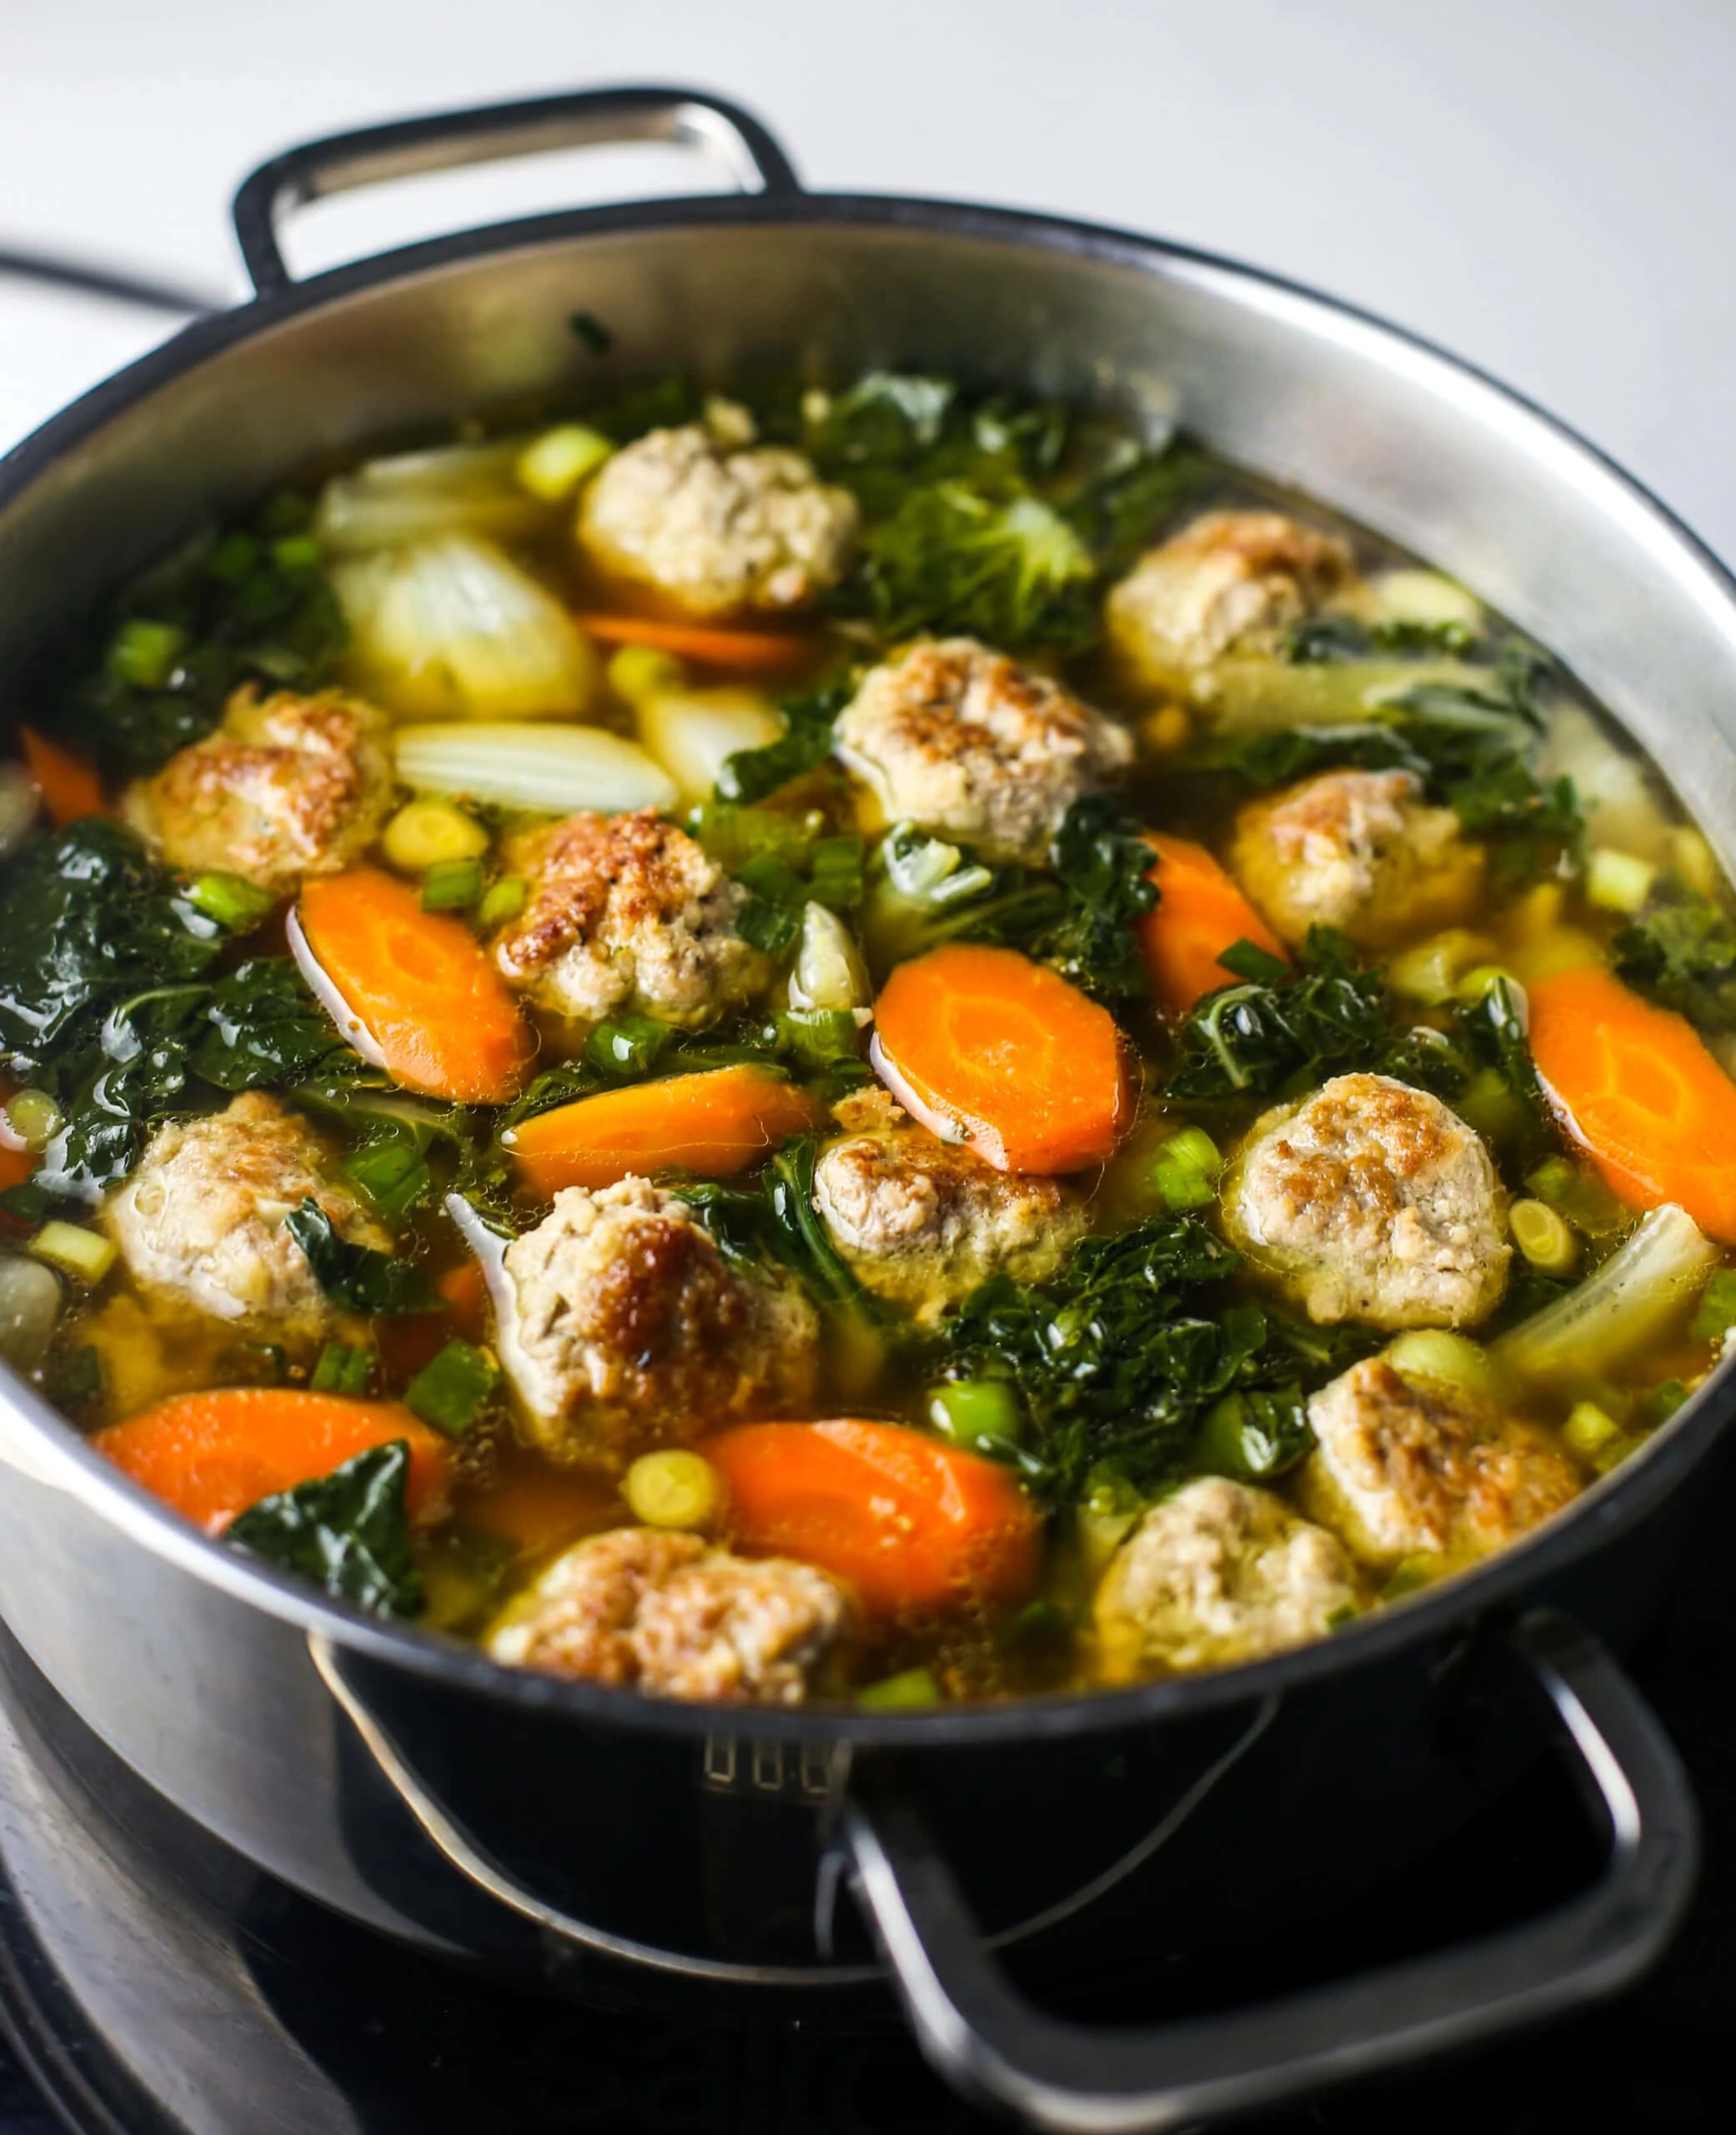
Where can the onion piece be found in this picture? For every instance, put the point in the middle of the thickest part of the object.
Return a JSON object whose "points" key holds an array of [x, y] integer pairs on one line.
{"points": [[693, 733], [549, 769], [459, 488], [1638, 1297], [355, 1032], [452, 628]]}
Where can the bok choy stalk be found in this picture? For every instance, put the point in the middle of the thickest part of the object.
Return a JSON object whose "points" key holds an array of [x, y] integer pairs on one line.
{"points": [[522, 764], [451, 628], [1640, 1296], [411, 496]]}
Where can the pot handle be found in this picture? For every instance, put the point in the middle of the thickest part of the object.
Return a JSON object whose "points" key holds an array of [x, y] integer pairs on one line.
{"points": [[985, 2038], [446, 140]]}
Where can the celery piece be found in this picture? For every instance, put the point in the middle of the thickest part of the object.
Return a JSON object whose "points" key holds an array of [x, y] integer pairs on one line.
{"points": [[452, 886], [673, 1488], [980, 1414], [772, 928], [629, 1045], [144, 653], [342, 1368], [503, 900], [914, 1691], [835, 876], [451, 1392], [231, 900], [818, 1037], [85, 1255]]}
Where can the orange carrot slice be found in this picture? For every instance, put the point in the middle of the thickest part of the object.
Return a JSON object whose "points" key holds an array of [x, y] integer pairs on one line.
{"points": [[743, 652], [911, 1524], [70, 789], [212, 1455], [982, 1043], [1202, 913], [1636, 1085], [715, 1124], [419, 985]]}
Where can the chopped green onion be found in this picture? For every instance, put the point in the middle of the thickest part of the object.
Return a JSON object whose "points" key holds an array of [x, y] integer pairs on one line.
{"points": [[297, 552], [144, 653], [503, 900], [733, 833], [980, 1414], [452, 1391], [232, 558], [425, 834], [818, 1037], [772, 928], [231, 900], [1589, 1432], [34, 1117], [1449, 1360], [1542, 1236], [834, 877], [673, 1489], [553, 466], [769, 875], [343, 1369], [391, 1174], [1715, 1315], [1579, 1195], [1617, 882], [1410, 1576], [1251, 1436], [629, 1045], [1185, 1170], [915, 1691], [85, 1255], [452, 886]]}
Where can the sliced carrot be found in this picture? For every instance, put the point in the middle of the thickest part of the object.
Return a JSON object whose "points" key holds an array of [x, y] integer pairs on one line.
{"points": [[715, 1124], [911, 1524], [1201, 914], [1636, 1085], [984, 1044], [420, 986], [212, 1455], [70, 789], [743, 652]]}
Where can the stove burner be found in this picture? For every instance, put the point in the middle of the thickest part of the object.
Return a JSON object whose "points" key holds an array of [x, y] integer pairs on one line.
{"points": [[152, 1983]]}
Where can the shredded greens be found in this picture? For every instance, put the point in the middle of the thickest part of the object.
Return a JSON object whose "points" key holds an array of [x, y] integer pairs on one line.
{"points": [[348, 1532], [1682, 952]]}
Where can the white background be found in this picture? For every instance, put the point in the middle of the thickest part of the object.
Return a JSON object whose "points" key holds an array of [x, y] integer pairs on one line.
{"points": [[1547, 186]]}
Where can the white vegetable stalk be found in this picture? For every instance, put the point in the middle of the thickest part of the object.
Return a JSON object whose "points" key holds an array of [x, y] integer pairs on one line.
{"points": [[412, 496], [828, 971], [548, 769], [693, 733], [452, 628], [1639, 1296]]}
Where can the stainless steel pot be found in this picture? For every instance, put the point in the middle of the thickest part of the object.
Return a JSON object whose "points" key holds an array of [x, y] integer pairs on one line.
{"points": [[591, 1837]]}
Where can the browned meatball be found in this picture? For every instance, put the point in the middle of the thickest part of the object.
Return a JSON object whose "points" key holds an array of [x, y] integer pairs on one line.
{"points": [[624, 1321], [677, 1618], [287, 786], [1407, 1466], [1227, 581], [922, 1221], [1361, 851], [627, 912], [960, 739], [1372, 1201]]}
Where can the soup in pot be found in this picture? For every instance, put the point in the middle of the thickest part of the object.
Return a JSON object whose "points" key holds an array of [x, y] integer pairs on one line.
{"points": [[882, 1043]]}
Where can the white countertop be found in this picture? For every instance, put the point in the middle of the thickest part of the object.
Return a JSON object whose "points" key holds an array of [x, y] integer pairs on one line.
{"points": [[1546, 186]]}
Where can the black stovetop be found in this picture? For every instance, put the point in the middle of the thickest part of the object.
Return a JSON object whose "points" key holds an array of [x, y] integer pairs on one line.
{"points": [[153, 1985]]}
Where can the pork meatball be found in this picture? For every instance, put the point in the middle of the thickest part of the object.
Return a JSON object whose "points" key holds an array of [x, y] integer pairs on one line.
{"points": [[679, 1619], [962, 740], [1374, 1202], [1361, 851], [1215, 1574], [620, 1317], [1405, 1466], [200, 1221], [714, 531], [1227, 582], [923, 1223], [287, 786], [627, 912]]}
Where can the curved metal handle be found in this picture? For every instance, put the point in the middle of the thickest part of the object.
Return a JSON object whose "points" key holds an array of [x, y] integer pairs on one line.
{"points": [[981, 2034], [91, 278], [446, 140]]}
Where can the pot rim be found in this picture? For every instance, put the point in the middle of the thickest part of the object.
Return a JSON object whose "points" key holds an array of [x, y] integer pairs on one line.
{"points": [[56, 1453]]}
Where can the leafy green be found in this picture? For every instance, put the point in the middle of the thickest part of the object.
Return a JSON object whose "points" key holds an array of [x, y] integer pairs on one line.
{"points": [[1118, 1359], [1283, 1023], [1254, 1434], [1684, 953], [249, 603], [772, 1217], [1320, 638], [957, 560], [342, 1368], [359, 1278], [452, 1390], [266, 1030], [804, 744], [349, 1532]]}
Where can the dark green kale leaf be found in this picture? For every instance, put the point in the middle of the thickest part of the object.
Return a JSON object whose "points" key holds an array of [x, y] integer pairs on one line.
{"points": [[1118, 1359], [1081, 915], [247, 605], [357, 1278], [1282, 1024], [770, 1219], [1319, 639], [348, 1532], [264, 1030], [885, 419], [751, 775], [1683, 954]]}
